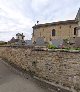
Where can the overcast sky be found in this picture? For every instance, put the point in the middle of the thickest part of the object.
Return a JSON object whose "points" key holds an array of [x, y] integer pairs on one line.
{"points": [[20, 15]]}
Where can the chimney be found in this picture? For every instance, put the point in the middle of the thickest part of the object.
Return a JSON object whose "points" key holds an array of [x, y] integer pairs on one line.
{"points": [[22, 33]]}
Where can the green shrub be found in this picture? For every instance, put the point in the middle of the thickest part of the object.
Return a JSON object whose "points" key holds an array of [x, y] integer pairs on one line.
{"points": [[3, 43], [77, 48], [51, 46], [67, 48]]}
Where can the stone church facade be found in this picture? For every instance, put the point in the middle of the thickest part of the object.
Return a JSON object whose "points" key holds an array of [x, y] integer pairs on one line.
{"points": [[56, 30]]}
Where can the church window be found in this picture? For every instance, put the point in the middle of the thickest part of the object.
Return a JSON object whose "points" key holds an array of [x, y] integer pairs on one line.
{"points": [[75, 32], [53, 32]]}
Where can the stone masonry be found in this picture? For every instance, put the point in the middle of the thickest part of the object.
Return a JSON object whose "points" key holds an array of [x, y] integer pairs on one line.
{"points": [[61, 68]]}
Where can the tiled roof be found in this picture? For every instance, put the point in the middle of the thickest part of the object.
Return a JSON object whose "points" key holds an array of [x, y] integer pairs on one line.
{"points": [[78, 15], [14, 40], [18, 34], [56, 23]]}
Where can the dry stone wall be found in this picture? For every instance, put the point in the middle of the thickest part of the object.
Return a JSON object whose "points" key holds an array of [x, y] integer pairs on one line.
{"points": [[62, 68]]}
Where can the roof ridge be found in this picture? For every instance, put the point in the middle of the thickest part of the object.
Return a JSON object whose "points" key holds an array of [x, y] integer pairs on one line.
{"points": [[55, 23]]}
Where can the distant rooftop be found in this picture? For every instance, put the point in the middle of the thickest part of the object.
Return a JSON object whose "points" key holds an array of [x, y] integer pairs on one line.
{"points": [[19, 34]]}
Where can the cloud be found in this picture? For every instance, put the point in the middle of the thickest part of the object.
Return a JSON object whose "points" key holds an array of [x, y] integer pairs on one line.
{"points": [[54, 10], [13, 20], [38, 5], [20, 15]]}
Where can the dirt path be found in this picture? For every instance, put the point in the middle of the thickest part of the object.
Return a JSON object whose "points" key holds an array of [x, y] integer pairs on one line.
{"points": [[11, 81]]}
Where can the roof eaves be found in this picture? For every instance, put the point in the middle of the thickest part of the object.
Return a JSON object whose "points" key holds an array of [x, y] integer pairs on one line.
{"points": [[55, 23]]}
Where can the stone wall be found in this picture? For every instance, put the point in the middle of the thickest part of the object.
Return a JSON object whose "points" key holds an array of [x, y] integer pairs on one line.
{"points": [[62, 68], [63, 31]]}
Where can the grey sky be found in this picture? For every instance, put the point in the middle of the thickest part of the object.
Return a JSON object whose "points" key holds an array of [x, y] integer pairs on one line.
{"points": [[20, 15]]}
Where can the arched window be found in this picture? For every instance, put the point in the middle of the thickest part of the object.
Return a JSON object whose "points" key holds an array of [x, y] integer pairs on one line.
{"points": [[53, 32], [75, 32]]}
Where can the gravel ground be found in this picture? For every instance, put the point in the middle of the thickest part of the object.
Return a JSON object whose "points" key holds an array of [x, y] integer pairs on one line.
{"points": [[12, 81]]}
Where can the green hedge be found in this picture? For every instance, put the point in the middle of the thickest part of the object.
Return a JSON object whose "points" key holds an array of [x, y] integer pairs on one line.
{"points": [[51, 46], [3, 43]]}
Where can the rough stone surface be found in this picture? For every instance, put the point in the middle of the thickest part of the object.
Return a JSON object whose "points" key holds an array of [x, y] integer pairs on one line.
{"points": [[59, 67]]}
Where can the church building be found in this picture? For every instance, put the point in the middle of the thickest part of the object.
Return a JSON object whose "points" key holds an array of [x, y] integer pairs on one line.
{"points": [[57, 30]]}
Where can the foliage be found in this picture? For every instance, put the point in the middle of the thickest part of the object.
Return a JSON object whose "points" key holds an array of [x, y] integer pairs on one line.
{"points": [[51, 46], [67, 48], [3, 43], [65, 40], [77, 48]]}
